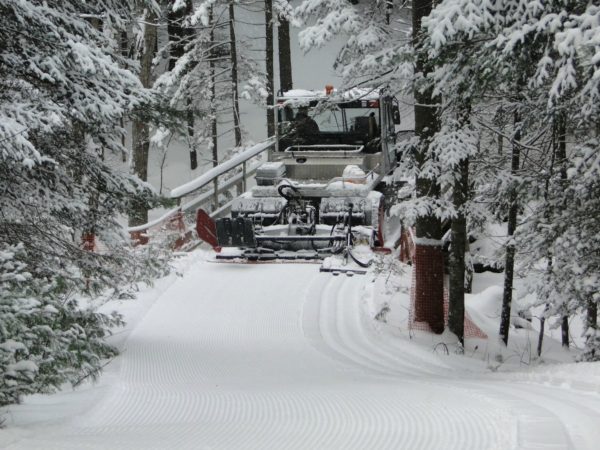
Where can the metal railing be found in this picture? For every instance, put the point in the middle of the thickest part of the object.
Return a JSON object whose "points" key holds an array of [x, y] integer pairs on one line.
{"points": [[239, 181]]}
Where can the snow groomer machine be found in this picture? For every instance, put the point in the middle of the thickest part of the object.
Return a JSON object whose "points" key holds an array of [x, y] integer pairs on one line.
{"points": [[322, 191]]}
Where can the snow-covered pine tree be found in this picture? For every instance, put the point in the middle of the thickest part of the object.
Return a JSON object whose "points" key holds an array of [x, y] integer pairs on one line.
{"points": [[378, 49], [452, 149], [205, 80], [542, 62], [182, 33], [63, 92]]}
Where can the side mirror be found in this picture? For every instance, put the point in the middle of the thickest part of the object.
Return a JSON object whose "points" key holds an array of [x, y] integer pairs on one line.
{"points": [[396, 114]]}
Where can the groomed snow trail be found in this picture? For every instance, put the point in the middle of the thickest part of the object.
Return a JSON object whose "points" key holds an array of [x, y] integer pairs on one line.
{"points": [[284, 357]]}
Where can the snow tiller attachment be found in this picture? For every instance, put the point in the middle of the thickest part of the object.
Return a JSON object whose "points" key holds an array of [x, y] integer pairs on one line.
{"points": [[294, 233], [294, 241]]}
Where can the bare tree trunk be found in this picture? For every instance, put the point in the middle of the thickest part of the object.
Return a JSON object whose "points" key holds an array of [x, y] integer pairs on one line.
{"points": [[389, 7], [124, 52], [592, 315], [456, 300], [543, 318], [179, 36], [269, 64], [556, 154], [541, 336], [500, 124], [285, 55], [591, 330], [429, 299], [141, 143], [234, 78], [191, 131], [89, 231], [561, 156], [140, 134], [213, 109], [457, 268], [564, 331], [512, 225]]}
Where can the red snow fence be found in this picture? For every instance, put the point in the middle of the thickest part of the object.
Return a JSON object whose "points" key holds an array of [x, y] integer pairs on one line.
{"points": [[177, 223], [88, 242], [173, 225], [428, 286], [471, 330], [429, 292], [139, 238]]}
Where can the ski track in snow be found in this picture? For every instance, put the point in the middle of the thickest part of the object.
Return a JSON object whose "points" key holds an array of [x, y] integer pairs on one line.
{"points": [[284, 357]]}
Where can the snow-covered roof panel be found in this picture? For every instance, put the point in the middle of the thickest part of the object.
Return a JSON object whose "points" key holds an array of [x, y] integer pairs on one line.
{"points": [[296, 93], [336, 95]]}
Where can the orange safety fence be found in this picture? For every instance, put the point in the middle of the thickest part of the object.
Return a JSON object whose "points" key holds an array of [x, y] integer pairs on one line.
{"points": [[471, 329], [175, 223]]}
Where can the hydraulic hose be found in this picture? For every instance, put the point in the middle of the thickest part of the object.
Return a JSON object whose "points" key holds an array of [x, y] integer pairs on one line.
{"points": [[359, 262]]}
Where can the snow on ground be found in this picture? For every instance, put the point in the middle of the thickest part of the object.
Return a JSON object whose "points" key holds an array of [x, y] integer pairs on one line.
{"points": [[280, 356]]}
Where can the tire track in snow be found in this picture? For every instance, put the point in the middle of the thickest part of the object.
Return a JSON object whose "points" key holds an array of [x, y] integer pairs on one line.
{"points": [[255, 411], [249, 411], [344, 335], [553, 418], [322, 324], [375, 353], [353, 339], [359, 333]]}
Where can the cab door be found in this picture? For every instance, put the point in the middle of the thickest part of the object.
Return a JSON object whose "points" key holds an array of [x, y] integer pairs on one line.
{"points": [[388, 134]]}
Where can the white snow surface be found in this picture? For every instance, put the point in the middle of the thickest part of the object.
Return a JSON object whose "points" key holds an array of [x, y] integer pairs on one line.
{"points": [[281, 356]]}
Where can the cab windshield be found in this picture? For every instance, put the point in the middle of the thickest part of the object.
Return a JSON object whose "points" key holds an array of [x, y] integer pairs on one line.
{"points": [[333, 118]]}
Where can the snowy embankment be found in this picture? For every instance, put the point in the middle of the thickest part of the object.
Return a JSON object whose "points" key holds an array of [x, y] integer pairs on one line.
{"points": [[281, 356]]}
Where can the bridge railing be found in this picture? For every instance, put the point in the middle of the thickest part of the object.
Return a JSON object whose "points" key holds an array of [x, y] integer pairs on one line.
{"points": [[211, 196]]}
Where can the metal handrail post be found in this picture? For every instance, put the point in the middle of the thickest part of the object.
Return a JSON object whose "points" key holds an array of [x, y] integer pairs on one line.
{"points": [[216, 194], [244, 176]]}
